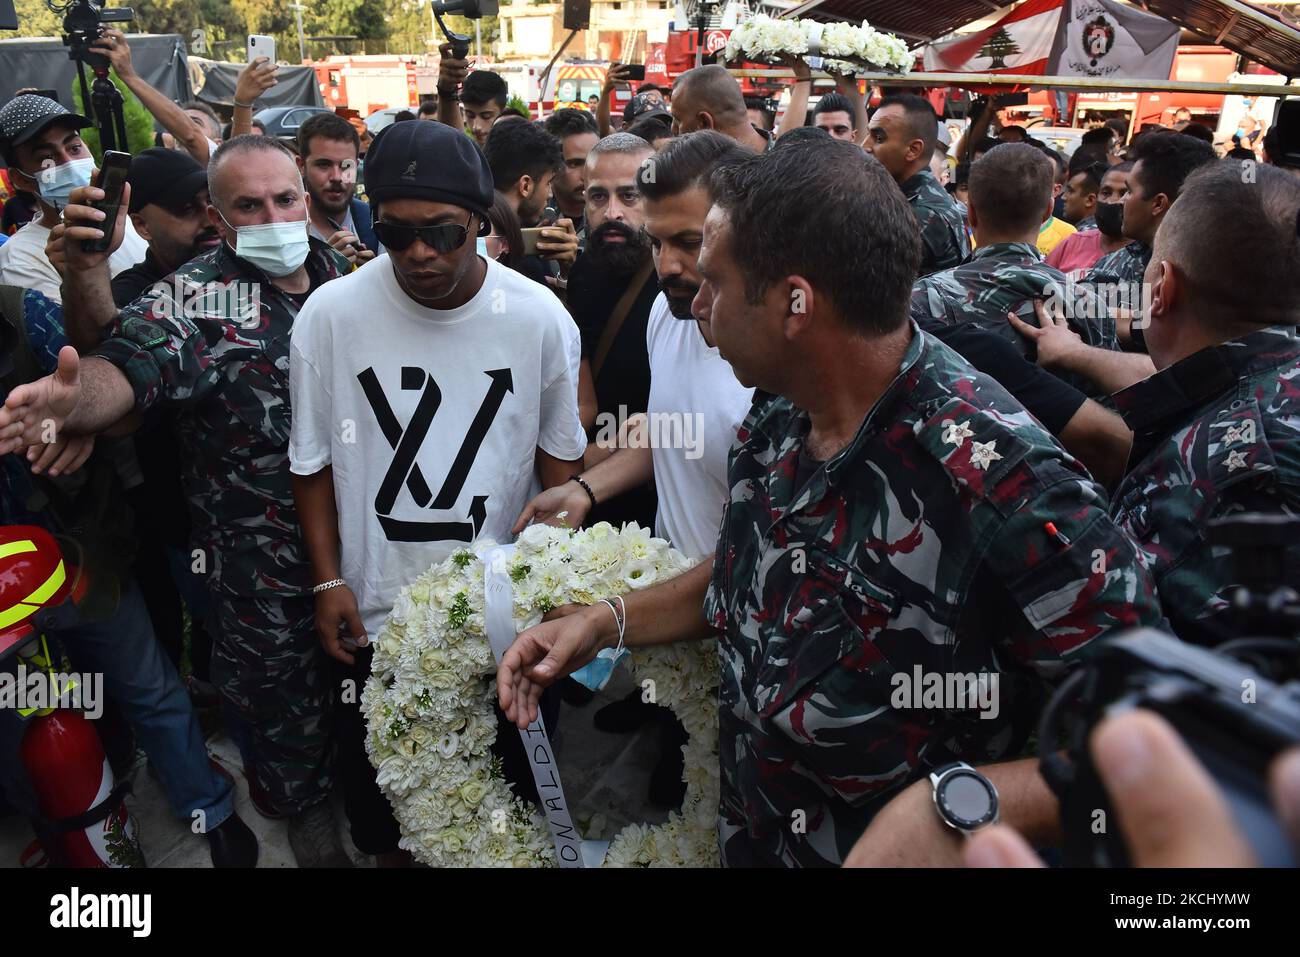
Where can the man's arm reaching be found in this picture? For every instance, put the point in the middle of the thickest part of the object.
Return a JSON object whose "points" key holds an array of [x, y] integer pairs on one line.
{"points": [[82, 397], [541, 655]]}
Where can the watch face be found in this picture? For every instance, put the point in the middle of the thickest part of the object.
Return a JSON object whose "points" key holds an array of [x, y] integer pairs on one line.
{"points": [[967, 799]]}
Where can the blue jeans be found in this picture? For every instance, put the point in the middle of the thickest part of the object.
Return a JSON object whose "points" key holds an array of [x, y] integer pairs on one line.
{"points": [[147, 689]]}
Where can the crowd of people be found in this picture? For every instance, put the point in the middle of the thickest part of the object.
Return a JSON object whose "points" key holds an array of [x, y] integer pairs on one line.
{"points": [[976, 427]]}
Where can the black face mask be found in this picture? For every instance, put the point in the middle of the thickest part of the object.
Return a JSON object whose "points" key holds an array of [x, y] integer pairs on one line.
{"points": [[1110, 219]]}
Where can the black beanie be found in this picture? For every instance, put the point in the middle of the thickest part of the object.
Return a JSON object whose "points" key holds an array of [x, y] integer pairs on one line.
{"points": [[425, 159]]}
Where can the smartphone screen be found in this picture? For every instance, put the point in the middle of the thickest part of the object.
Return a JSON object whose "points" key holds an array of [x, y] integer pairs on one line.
{"points": [[635, 71], [111, 180]]}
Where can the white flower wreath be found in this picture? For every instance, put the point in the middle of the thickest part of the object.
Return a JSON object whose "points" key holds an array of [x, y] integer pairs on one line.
{"points": [[851, 49], [429, 704]]}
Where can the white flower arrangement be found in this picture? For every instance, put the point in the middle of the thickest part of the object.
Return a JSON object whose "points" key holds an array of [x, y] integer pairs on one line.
{"points": [[429, 704], [850, 49]]}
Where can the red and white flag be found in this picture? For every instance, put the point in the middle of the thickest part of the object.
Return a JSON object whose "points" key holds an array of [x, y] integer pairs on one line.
{"points": [[1020, 42]]}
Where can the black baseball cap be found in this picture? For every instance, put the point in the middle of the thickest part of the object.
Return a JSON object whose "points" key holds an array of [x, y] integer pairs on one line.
{"points": [[428, 160], [166, 177], [28, 115], [641, 105]]}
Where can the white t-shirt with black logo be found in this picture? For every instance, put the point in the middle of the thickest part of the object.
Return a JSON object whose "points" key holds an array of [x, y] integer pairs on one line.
{"points": [[696, 405], [430, 418]]}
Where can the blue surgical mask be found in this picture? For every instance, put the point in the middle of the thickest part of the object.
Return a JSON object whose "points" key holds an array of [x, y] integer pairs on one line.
{"points": [[597, 673], [275, 248], [481, 246], [56, 182]]}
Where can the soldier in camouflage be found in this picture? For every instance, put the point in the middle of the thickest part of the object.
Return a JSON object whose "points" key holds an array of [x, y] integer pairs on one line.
{"points": [[1217, 429], [1010, 192], [1162, 160], [214, 339], [902, 135], [893, 514]]}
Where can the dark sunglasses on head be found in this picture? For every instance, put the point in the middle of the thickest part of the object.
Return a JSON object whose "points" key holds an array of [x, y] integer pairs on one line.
{"points": [[443, 238]]}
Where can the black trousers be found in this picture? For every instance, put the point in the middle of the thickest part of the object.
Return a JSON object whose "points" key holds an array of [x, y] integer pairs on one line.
{"points": [[370, 816]]}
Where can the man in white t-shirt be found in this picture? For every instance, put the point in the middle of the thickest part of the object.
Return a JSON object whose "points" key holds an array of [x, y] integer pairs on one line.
{"points": [[695, 403], [42, 146], [429, 388]]}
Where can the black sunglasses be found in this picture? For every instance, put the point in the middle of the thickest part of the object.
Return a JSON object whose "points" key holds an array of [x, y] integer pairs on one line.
{"points": [[443, 238]]}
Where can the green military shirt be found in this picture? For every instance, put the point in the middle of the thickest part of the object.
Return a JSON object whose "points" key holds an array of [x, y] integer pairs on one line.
{"points": [[944, 242], [1117, 278], [213, 338], [951, 537], [1008, 277], [1215, 434]]}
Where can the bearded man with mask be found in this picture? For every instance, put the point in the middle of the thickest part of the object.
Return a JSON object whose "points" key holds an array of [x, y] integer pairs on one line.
{"points": [[43, 149], [213, 341], [611, 289]]}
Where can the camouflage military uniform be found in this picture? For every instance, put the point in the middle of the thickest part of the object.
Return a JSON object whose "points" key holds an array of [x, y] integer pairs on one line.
{"points": [[923, 544], [1007, 277], [1214, 434], [1117, 277], [1085, 224], [944, 243], [223, 359]]}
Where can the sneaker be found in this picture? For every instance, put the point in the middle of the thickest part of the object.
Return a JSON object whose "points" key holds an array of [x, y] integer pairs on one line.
{"points": [[315, 839]]}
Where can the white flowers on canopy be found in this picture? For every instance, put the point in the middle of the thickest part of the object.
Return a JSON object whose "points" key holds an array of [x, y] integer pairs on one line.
{"points": [[763, 38], [429, 704]]}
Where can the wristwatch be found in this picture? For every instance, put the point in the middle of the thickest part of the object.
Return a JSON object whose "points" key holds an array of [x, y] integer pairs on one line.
{"points": [[964, 798]]}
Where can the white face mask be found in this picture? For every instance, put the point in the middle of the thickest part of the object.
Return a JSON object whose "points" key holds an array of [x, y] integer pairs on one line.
{"points": [[277, 249], [56, 182]]}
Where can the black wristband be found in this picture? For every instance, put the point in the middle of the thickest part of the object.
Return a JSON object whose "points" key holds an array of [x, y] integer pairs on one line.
{"points": [[586, 488]]}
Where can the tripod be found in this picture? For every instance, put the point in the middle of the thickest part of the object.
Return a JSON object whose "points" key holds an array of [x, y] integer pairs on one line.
{"points": [[105, 102]]}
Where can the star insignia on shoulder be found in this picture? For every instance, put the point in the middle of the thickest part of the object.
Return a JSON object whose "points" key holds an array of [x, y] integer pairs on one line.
{"points": [[955, 433], [1245, 432], [982, 454], [1236, 460]]}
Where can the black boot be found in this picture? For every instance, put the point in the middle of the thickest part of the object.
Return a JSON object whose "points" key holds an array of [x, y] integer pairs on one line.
{"points": [[232, 844]]}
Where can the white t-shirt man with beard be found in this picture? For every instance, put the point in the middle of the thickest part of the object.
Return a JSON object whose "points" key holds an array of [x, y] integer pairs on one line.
{"points": [[696, 404]]}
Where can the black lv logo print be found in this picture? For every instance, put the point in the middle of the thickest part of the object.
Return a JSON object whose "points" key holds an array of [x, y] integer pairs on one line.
{"points": [[406, 443]]}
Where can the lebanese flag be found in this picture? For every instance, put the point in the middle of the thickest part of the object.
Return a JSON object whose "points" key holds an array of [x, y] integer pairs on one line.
{"points": [[1020, 42]]}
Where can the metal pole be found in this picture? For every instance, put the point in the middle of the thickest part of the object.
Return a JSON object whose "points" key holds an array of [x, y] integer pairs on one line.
{"points": [[478, 40], [302, 44], [1044, 82]]}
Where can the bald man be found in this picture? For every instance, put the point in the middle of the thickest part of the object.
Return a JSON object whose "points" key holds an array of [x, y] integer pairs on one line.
{"points": [[709, 98]]}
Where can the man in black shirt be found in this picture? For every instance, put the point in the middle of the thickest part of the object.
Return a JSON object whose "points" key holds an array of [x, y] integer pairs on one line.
{"points": [[169, 209], [616, 264]]}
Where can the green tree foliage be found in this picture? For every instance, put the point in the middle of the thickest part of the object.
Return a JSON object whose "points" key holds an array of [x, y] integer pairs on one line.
{"points": [[218, 29], [139, 122]]}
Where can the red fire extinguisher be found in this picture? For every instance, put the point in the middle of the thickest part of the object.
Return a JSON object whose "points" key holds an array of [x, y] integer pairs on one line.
{"points": [[84, 822], [81, 805]]}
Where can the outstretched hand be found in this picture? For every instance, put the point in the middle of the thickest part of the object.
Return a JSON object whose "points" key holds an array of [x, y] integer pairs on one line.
{"points": [[34, 413], [544, 654]]}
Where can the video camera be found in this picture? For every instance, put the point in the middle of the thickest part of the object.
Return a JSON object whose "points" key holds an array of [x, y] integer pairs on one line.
{"points": [[1237, 706], [83, 24]]}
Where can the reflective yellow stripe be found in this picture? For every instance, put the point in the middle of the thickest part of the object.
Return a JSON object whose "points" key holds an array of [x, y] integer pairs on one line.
{"points": [[52, 584], [16, 548], [32, 602]]}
